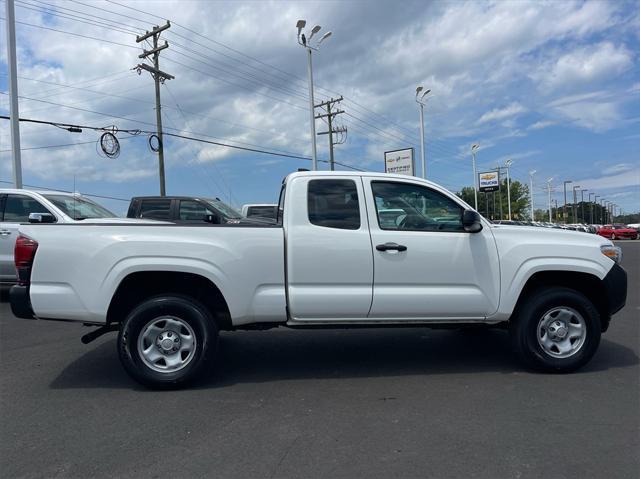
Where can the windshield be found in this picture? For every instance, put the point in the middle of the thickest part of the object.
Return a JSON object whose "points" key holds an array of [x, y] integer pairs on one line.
{"points": [[224, 209], [79, 208]]}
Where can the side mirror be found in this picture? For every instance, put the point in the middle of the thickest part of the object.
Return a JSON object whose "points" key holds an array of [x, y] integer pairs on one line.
{"points": [[471, 221], [41, 218], [213, 219]]}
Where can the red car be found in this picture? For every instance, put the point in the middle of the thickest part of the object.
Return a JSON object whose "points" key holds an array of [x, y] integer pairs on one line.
{"points": [[618, 232]]}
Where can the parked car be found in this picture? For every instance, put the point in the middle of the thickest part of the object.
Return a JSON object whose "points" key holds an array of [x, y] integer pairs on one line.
{"points": [[17, 205], [329, 261], [614, 232], [263, 210], [183, 209]]}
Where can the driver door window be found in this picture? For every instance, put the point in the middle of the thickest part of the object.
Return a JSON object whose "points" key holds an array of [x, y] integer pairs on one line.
{"points": [[410, 207]]}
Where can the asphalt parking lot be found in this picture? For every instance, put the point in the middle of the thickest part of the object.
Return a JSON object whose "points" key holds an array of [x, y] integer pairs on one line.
{"points": [[342, 404]]}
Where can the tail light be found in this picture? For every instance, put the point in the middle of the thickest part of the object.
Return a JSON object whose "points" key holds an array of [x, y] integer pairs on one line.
{"points": [[24, 253]]}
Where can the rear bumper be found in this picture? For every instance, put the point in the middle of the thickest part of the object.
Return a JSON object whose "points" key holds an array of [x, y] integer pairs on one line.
{"points": [[20, 302], [615, 285]]}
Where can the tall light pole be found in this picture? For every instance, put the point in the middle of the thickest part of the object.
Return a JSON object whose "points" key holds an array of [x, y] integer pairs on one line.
{"points": [[595, 200], [582, 203], [531, 173], [507, 165], [564, 208], [474, 149], [421, 101], [575, 201], [591, 208], [549, 193], [306, 43]]}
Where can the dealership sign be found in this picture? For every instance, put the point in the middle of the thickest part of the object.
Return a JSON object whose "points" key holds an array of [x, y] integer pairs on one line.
{"points": [[400, 162], [489, 181]]}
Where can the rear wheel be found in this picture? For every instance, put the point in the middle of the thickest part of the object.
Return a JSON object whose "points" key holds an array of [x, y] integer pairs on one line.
{"points": [[556, 330], [166, 341]]}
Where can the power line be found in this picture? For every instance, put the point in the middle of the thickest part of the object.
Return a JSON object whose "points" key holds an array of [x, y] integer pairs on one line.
{"points": [[232, 83], [68, 16], [184, 137], [74, 34]]}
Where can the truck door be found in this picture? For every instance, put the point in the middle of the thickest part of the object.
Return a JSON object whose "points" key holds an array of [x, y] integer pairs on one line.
{"points": [[329, 261], [426, 265]]}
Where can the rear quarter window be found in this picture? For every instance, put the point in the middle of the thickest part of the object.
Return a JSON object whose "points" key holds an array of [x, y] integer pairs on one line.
{"points": [[155, 209]]}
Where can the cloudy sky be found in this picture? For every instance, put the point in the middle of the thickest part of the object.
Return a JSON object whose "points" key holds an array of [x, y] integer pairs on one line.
{"points": [[553, 85]]}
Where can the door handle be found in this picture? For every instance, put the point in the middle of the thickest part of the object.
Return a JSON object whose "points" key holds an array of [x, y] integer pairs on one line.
{"points": [[391, 247], [5, 232]]}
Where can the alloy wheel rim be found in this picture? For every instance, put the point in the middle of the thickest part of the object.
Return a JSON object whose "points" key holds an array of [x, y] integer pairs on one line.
{"points": [[561, 332], [166, 344]]}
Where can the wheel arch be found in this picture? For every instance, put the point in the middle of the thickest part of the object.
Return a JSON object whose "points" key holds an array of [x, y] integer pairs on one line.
{"points": [[588, 284], [137, 286]]}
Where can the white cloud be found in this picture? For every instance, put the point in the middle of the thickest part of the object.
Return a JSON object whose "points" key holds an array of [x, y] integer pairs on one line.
{"points": [[585, 64], [511, 110], [539, 125], [619, 168], [620, 180]]}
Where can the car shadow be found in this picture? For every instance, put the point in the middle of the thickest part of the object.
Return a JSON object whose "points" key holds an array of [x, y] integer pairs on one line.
{"points": [[4, 293], [255, 357]]}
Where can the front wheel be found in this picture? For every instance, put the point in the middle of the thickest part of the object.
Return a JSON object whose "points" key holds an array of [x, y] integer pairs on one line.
{"points": [[166, 341], [556, 330]]}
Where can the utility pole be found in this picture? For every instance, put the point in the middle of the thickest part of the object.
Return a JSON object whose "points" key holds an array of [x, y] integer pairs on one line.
{"points": [[329, 116], [13, 93], [159, 77]]}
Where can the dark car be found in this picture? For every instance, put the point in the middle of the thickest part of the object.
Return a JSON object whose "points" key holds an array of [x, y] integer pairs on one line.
{"points": [[183, 209]]}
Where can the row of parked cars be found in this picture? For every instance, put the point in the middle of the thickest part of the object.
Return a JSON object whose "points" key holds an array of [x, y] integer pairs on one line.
{"points": [[23, 206], [610, 231]]}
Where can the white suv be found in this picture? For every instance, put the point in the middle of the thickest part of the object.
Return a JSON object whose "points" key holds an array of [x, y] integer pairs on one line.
{"points": [[53, 206]]}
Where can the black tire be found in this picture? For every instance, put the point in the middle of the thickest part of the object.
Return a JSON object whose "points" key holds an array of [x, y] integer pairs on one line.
{"points": [[184, 309], [524, 329]]}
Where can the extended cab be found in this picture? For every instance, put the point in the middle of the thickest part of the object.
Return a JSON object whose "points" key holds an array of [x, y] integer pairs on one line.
{"points": [[346, 250]]}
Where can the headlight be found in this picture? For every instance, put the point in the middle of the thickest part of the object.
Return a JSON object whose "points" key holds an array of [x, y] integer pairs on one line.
{"points": [[613, 252]]}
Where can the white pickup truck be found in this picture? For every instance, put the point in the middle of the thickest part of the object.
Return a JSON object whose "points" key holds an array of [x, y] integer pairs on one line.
{"points": [[346, 250]]}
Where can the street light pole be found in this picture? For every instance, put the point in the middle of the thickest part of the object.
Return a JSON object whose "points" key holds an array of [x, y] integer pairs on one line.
{"points": [[531, 173], [474, 148], [564, 207], [314, 153], [582, 203], [575, 200], [591, 208], [306, 43], [508, 164], [421, 102], [549, 193]]}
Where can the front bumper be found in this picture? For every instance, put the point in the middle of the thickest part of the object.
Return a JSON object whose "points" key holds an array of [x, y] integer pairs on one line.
{"points": [[20, 302], [615, 286]]}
